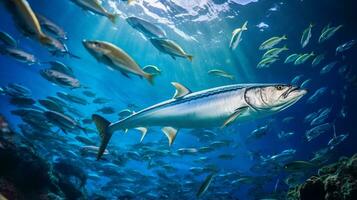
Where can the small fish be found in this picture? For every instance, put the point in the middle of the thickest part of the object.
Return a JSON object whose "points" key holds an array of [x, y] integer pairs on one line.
{"points": [[6, 39], [27, 21], [306, 83], [237, 36], [328, 32], [317, 131], [22, 101], [205, 185], [100, 100], [299, 165], [283, 135], [59, 48], [19, 55], [95, 6], [115, 58], [328, 67], [64, 122], [288, 119], [72, 98], [317, 60], [336, 140], [60, 78], [292, 58], [270, 43], [266, 62], [274, 52], [306, 36], [125, 113], [296, 79], [218, 72], [51, 27], [317, 94], [147, 28], [89, 93], [303, 58], [61, 67], [345, 46], [106, 110], [170, 47], [51, 105]]}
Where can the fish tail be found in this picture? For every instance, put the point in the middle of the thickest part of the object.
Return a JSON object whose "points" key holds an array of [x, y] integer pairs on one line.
{"points": [[189, 57], [104, 132], [244, 28], [285, 37], [73, 55], [150, 78], [113, 17], [44, 39]]}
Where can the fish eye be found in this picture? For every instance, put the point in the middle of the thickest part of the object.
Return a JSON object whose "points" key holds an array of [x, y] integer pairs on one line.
{"points": [[279, 87]]}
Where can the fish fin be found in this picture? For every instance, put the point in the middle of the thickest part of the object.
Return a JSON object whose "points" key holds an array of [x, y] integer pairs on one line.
{"points": [[125, 74], [173, 57], [73, 55], [170, 133], [150, 78], [244, 27], [64, 131], [236, 31], [44, 39], [180, 90], [84, 130], [143, 131], [113, 17], [126, 130], [104, 133], [234, 116], [189, 57]]}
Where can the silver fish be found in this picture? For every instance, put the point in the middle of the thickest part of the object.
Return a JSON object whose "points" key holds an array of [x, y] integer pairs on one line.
{"points": [[306, 36], [208, 108], [145, 27]]}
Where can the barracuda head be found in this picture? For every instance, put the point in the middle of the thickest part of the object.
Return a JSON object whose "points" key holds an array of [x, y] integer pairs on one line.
{"points": [[273, 98]]}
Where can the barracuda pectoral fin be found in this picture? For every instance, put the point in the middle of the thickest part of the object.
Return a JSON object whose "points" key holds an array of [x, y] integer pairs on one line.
{"points": [[234, 116], [143, 131], [180, 90], [170, 133]]}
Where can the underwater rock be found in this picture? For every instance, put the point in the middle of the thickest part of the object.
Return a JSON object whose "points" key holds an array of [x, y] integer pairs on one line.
{"points": [[25, 175], [334, 181]]}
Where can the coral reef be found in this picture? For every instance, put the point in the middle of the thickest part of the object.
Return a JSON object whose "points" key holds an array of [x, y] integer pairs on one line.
{"points": [[334, 181], [25, 175]]}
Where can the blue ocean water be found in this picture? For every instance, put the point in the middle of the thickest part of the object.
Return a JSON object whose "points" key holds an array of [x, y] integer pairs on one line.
{"points": [[203, 29]]}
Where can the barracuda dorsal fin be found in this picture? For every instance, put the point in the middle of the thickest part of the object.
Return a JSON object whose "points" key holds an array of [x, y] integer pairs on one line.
{"points": [[234, 116], [143, 131], [180, 90], [170, 133]]}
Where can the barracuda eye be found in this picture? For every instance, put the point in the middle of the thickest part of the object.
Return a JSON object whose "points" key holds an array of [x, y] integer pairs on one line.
{"points": [[279, 87]]}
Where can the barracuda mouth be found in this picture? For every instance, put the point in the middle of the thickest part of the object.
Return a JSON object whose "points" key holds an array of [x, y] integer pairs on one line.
{"points": [[290, 90]]}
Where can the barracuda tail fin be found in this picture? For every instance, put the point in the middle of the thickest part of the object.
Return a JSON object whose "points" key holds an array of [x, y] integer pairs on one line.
{"points": [[104, 133]]}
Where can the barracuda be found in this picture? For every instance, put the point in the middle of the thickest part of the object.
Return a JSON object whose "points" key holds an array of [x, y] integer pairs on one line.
{"points": [[216, 107]]}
